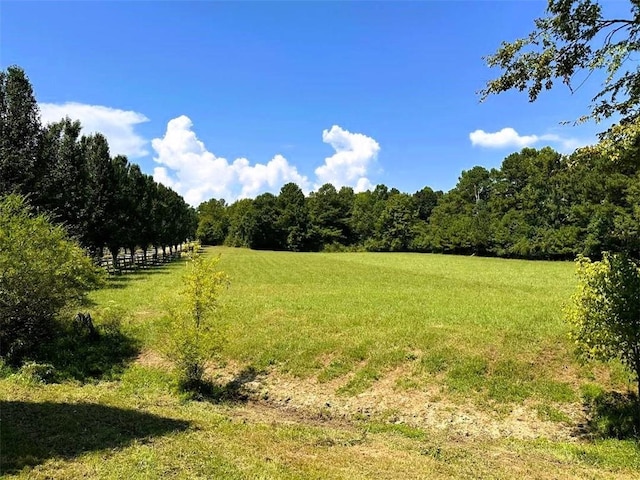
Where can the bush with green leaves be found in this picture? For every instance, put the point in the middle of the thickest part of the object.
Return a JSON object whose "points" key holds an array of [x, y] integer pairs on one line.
{"points": [[42, 272], [194, 337], [605, 311]]}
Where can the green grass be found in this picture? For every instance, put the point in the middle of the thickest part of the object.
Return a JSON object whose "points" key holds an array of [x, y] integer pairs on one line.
{"points": [[482, 332], [483, 325]]}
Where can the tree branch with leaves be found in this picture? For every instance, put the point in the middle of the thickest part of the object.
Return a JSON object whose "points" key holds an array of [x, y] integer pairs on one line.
{"points": [[575, 38]]}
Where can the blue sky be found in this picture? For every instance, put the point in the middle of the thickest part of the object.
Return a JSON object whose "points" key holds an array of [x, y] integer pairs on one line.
{"points": [[228, 100]]}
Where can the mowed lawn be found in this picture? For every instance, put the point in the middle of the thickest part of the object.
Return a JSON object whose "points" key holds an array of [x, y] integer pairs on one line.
{"points": [[361, 364]]}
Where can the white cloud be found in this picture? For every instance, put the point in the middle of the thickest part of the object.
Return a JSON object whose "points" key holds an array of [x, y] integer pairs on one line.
{"points": [[507, 137], [196, 173], [354, 155], [115, 124], [566, 145], [510, 138]]}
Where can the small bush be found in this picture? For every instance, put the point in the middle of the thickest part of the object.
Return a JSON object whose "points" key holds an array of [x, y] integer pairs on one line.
{"points": [[605, 311], [194, 339], [41, 272], [38, 372]]}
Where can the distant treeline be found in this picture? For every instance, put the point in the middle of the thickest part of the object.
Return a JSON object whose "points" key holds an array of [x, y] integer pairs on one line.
{"points": [[539, 204], [103, 201]]}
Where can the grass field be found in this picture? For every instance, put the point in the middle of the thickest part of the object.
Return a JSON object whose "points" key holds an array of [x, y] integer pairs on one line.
{"points": [[345, 365]]}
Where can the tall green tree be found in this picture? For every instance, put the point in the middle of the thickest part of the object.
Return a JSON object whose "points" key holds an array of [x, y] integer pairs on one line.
{"points": [[241, 223], [213, 222], [460, 223], [62, 185], [294, 217], [102, 187], [267, 233], [395, 225], [19, 132], [329, 213]]}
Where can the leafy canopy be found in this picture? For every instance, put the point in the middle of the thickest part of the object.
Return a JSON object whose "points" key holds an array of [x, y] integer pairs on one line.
{"points": [[575, 38]]}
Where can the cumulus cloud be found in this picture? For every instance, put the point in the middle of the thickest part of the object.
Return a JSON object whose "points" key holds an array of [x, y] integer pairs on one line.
{"points": [[507, 137], [354, 155], [187, 166], [510, 138], [118, 126]]}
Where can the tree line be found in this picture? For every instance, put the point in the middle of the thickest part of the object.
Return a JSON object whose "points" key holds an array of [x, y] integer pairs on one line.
{"points": [[539, 204], [103, 201]]}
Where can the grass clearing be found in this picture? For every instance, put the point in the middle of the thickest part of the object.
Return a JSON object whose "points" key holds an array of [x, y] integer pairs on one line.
{"points": [[354, 365]]}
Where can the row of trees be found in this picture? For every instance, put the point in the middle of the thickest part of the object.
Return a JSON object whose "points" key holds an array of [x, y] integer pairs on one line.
{"points": [[102, 201], [327, 217], [538, 204]]}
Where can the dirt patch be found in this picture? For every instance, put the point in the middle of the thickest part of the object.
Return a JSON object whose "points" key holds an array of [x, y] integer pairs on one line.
{"points": [[149, 358], [423, 408]]}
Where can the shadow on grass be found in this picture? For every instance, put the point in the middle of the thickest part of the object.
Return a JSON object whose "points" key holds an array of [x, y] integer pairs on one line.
{"points": [[612, 415], [123, 279], [32, 433], [77, 355], [233, 391]]}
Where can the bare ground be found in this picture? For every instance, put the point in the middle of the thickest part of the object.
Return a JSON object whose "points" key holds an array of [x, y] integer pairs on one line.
{"points": [[277, 396]]}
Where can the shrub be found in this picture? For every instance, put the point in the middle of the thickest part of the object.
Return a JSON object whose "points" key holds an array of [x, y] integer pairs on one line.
{"points": [[605, 312], [42, 271]]}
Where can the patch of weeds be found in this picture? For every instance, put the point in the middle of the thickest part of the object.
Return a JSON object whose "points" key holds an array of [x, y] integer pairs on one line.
{"points": [[440, 453], [82, 350], [362, 380], [101, 356], [359, 353], [411, 356], [341, 442], [34, 372], [550, 414], [335, 369], [612, 415], [138, 380], [5, 370], [611, 454], [468, 374], [509, 381], [407, 383], [436, 362]]}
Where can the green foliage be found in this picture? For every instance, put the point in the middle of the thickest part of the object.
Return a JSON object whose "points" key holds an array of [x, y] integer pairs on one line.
{"points": [[194, 338], [35, 372], [574, 37], [605, 311], [41, 273], [213, 222]]}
